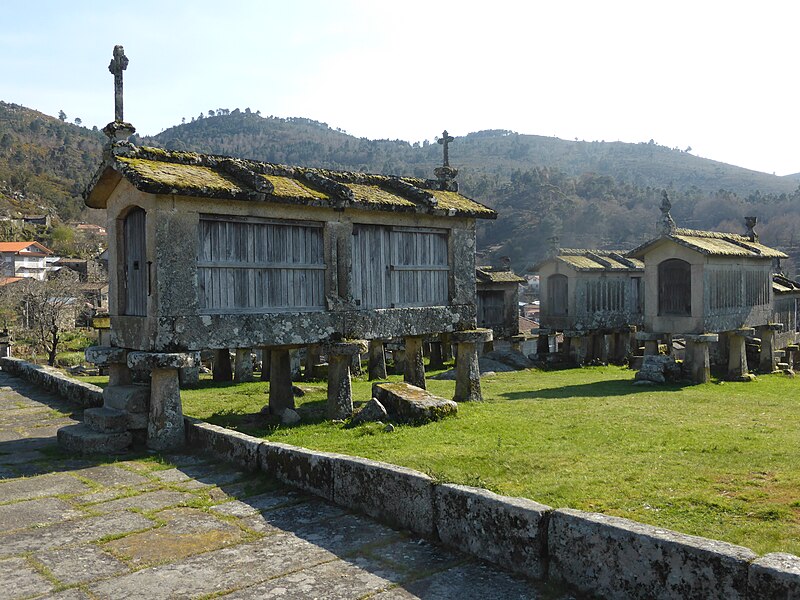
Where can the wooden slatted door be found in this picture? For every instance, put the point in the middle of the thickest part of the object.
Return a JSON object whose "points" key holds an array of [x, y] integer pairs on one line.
{"points": [[257, 265], [135, 265], [419, 269], [371, 266]]}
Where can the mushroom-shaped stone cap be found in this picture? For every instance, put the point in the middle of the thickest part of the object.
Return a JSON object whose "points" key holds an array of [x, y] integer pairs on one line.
{"points": [[649, 336], [702, 338], [771, 326], [472, 336], [104, 355], [345, 347], [743, 331], [163, 360]]}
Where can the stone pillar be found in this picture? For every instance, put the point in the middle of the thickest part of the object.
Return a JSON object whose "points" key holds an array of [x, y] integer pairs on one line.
{"points": [[243, 365], [266, 353], [791, 355], [313, 362], [280, 381], [468, 373], [399, 360], [222, 370], [487, 347], [376, 366], [542, 342], [414, 372], [437, 360], [579, 345], [102, 323], [165, 427], [294, 364], [5, 343], [355, 366], [650, 340], [189, 376], [766, 358], [737, 354], [447, 347], [697, 357], [566, 348], [340, 393], [517, 343], [115, 359]]}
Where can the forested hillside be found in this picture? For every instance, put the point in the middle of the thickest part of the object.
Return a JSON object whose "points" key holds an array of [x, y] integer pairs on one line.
{"points": [[589, 194]]}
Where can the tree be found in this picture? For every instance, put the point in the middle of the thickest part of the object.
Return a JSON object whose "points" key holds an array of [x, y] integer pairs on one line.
{"points": [[50, 308], [78, 121], [62, 115]]}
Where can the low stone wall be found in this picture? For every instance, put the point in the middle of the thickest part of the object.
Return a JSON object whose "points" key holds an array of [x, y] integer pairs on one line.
{"points": [[598, 554], [601, 555], [53, 380]]}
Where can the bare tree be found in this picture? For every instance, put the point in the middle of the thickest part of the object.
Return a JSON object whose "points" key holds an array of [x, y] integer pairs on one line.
{"points": [[50, 309]]}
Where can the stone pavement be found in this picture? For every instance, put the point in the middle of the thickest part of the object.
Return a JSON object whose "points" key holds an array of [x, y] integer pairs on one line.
{"points": [[184, 526]]}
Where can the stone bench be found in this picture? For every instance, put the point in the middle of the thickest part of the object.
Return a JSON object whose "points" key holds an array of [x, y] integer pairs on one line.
{"points": [[408, 403]]}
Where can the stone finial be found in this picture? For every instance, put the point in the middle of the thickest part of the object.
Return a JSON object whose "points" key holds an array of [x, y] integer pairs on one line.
{"points": [[667, 223], [445, 141], [118, 130], [446, 174], [117, 65], [505, 263], [750, 223], [554, 245]]}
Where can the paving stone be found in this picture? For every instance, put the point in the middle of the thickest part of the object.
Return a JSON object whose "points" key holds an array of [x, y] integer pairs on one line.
{"points": [[255, 504], [70, 594], [156, 500], [188, 531], [416, 555], [217, 571], [108, 494], [72, 532], [18, 579], [110, 476], [335, 580], [19, 515], [292, 517], [345, 535], [79, 564], [21, 457], [40, 487], [467, 582]]}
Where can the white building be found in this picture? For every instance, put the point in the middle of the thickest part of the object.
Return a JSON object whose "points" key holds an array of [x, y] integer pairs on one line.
{"points": [[26, 259]]}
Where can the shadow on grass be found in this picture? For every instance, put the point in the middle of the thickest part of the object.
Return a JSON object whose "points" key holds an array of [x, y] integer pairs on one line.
{"points": [[262, 424], [595, 389]]}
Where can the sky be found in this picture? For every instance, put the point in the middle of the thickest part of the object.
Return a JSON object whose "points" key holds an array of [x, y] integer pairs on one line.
{"points": [[719, 77]]}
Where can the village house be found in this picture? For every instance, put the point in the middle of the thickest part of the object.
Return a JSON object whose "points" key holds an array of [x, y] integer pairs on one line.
{"points": [[212, 252], [593, 297], [707, 287], [498, 300], [26, 259]]}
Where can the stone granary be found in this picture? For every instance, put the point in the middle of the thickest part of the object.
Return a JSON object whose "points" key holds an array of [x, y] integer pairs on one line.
{"points": [[786, 296], [700, 284], [498, 300], [212, 252], [595, 298]]}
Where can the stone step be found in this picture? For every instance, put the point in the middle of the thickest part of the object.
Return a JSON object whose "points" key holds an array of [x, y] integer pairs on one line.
{"points": [[105, 420], [128, 398], [80, 439]]}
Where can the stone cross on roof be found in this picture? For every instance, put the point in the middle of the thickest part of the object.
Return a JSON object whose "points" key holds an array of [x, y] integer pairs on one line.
{"points": [[118, 64], [444, 141], [667, 223]]}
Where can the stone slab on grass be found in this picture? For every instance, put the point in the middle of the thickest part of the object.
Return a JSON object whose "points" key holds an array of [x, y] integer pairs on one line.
{"points": [[505, 531], [407, 403], [775, 576], [617, 558], [394, 495]]}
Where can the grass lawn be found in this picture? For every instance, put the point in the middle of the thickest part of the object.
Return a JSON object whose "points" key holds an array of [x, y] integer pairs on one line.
{"points": [[718, 460]]}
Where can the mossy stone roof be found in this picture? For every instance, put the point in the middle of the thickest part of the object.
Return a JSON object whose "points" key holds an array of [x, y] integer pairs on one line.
{"points": [[158, 171], [595, 260], [712, 243], [491, 275]]}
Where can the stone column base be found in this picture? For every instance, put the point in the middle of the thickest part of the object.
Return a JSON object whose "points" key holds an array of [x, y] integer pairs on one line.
{"points": [[468, 373]]}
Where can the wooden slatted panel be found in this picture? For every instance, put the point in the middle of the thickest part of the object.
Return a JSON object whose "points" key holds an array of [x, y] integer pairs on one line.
{"points": [[135, 264], [491, 308], [557, 299], [258, 265], [420, 271], [674, 287], [371, 266]]}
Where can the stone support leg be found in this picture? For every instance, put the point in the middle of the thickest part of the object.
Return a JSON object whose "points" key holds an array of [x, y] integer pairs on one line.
{"points": [[437, 361], [313, 361], [165, 428], [766, 357], [414, 372], [468, 374], [447, 347], [399, 360], [737, 354], [266, 354], [280, 381], [222, 370], [697, 358], [355, 366], [243, 365], [189, 376], [542, 345], [377, 360], [650, 347], [340, 393]]}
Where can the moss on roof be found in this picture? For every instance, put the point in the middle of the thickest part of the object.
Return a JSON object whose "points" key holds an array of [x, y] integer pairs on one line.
{"points": [[286, 187], [181, 176], [490, 275], [158, 171], [373, 194], [454, 201]]}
